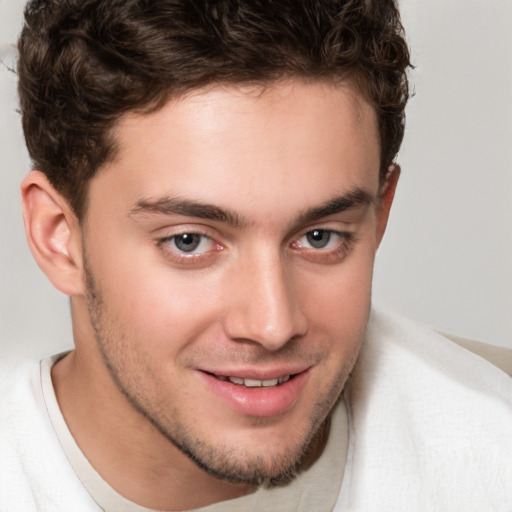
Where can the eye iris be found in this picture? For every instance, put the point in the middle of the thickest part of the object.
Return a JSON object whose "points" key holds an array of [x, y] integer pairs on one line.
{"points": [[187, 242], [318, 238]]}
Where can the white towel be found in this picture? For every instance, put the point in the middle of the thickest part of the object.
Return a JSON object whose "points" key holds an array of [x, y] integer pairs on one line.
{"points": [[35, 475], [430, 426]]}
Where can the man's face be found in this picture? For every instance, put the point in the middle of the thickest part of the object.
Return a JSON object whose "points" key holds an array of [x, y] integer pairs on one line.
{"points": [[229, 252]]}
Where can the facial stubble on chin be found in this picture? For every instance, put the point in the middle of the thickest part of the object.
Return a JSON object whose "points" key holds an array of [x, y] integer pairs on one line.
{"points": [[222, 462]]}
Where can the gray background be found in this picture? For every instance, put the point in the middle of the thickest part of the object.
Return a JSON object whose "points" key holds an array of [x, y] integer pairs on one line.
{"points": [[446, 257]]}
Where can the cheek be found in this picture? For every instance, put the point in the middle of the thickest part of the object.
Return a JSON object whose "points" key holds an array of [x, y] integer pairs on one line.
{"points": [[341, 293], [338, 306], [157, 306]]}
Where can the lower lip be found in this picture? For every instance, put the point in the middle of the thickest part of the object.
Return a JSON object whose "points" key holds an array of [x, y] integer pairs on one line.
{"points": [[261, 401]]}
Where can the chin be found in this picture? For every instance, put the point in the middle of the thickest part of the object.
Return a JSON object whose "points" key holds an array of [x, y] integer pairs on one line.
{"points": [[271, 466]]}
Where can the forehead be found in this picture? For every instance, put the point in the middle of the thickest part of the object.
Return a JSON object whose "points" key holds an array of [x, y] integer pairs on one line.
{"points": [[247, 145]]}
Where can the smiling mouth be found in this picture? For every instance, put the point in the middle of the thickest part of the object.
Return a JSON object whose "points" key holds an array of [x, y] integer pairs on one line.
{"points": [[260, 392], [254, 383]]}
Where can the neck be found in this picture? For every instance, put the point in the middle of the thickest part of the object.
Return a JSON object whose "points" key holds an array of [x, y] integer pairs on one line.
{"points": [[129, 453]]}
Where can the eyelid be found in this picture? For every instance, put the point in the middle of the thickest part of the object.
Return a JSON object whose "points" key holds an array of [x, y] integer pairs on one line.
{"points": [[179, 228]]}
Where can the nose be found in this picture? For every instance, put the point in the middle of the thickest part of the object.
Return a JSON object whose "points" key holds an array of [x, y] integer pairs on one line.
{"points": [[263, 305]]}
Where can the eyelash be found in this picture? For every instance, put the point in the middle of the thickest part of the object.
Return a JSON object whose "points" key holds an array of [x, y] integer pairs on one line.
{"points": [[316, 255]]}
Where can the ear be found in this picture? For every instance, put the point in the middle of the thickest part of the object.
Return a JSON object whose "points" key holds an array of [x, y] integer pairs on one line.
{"points": [[386, 196], [53, 234]]}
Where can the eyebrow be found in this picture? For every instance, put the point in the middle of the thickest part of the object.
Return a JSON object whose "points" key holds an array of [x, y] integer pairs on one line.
{"points": [[354, 199], [190, 208]]}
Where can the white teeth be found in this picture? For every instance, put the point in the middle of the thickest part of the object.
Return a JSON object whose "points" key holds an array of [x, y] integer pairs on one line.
{"points": [[254, 383]]}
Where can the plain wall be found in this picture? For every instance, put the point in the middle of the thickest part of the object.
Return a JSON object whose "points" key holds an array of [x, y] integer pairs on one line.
{"points": [[446, 258]]}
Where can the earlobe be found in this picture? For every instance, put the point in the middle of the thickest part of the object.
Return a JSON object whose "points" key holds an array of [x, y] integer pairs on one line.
{"points": [[386, 196], [53, 233]]}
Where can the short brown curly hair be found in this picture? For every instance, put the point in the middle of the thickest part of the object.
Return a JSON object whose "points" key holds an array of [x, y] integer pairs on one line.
{"points": [[85, 63]]}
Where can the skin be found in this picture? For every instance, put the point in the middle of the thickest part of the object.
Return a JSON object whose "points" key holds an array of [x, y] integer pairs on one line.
{"points": [[261, 294]]}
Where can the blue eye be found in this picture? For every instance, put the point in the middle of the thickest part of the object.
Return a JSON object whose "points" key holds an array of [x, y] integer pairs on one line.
{"points": [[190, 248], [323, 246], [319, 238], [191, 243], [188, 242]]}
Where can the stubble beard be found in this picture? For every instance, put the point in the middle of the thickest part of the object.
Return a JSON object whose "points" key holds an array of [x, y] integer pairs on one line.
{"points": [[222, 462]]}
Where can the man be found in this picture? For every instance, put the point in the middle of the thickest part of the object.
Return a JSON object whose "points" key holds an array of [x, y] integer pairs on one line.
{"points": [[213, 181]]}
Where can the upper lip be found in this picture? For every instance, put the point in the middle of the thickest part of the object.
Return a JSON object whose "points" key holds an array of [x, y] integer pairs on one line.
{"points": [[258, 373]]}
